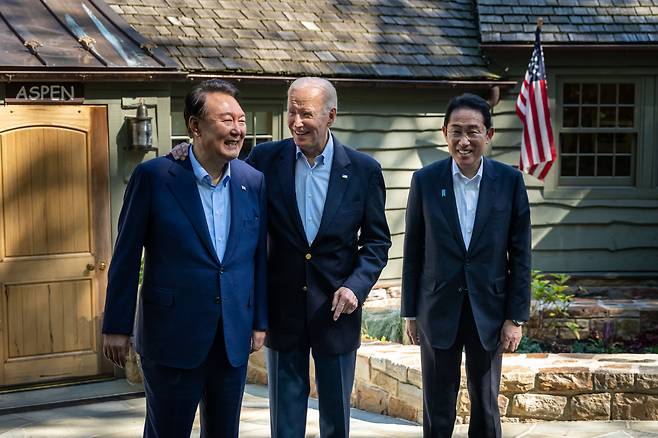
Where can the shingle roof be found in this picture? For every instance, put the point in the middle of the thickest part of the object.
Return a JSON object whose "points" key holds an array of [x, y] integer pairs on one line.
{"points": [[569, 21], [408, 39]]}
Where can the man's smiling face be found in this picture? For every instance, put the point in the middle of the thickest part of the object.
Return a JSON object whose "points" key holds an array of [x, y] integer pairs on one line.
{"points": [[467, 139]]}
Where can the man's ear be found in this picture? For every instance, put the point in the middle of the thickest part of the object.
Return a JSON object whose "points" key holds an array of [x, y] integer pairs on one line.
{"points": [[444, 129], [332, 116], [490, 134], [193, 127]]}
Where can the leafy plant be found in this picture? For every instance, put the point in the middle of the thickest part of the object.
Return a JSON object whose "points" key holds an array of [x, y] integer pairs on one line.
{"points": [[552, 297], [383, 325]]}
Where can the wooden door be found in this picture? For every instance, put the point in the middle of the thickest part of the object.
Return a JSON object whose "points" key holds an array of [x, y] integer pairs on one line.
{"points": [[54, 241]]}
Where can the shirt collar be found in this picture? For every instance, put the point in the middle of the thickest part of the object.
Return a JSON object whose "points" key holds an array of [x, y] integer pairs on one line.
{"points": [[326, 155], [476, 178], [202, 176]]}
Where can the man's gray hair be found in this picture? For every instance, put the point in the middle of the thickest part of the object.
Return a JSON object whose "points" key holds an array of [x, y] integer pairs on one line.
{"points": [[330, 95]]}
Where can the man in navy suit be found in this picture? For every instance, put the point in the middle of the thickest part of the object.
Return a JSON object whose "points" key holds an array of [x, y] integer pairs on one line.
{"points": [[203, 306], [466, 271], [328, 243]]}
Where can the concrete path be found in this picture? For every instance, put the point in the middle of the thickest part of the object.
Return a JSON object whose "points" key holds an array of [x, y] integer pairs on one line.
{"points": [[125, 419]]}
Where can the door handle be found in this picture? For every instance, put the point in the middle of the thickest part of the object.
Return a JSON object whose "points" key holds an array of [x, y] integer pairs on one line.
{"points": [[90, 267], [102, 266]]}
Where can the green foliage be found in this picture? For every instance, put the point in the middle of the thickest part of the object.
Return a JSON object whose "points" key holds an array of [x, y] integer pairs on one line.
{"points": [[529, 345], [552, 297], [384, 326], [592, 345]]}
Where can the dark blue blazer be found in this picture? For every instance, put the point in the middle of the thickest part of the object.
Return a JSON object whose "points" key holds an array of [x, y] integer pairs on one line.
{"points": [[495, 268], [351, 247], [186, 291]]}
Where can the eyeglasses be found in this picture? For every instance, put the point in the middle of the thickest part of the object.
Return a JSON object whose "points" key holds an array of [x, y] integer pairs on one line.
{"points": [[470, 135]]}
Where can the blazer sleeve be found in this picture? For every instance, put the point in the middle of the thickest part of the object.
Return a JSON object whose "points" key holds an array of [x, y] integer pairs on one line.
{"points": [[123, 274], [413, 251], [260, 280], [374, 239], [519, 255]]}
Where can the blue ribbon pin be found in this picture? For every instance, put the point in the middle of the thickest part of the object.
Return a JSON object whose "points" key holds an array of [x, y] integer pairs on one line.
{"points": [[443, 193]]}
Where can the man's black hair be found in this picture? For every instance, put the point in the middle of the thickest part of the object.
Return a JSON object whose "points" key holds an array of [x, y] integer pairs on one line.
{"points": [[195, 101], [471, 101]]}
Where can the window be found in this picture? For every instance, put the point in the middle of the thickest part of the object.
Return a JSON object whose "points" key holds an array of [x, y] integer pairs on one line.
{"points": [[263, 124], [598, 133]]}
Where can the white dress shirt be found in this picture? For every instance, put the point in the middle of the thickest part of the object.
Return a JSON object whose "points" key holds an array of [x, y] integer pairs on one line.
{"points": [[467, 192]]}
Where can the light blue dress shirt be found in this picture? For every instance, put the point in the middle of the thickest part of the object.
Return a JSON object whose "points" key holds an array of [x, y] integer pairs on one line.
{"points": [[311, 184], [216, 201], [467, 192]]}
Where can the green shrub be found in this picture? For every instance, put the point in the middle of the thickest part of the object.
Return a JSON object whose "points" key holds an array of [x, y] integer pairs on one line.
{"points": [[384, 325]]}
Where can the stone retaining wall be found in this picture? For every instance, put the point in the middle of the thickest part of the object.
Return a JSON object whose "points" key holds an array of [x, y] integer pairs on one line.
{"points": [[534, 386]]}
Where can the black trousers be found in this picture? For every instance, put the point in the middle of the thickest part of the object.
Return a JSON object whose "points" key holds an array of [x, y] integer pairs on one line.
{"points": [[441, 378]]}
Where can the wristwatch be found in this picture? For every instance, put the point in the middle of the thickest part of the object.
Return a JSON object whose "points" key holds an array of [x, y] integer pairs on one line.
{"points": [[518, 323]]}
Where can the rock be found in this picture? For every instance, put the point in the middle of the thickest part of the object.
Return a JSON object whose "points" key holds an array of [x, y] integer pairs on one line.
{"points": [[629, 407], [394, 292], [371, 399], [542, 406], [627, 328], [503, 403], [396, 370], [564, 379], [463, 403], [604, 381], [515, 381], [256, 375], [258, 358], [400, 409], [133, 368], [384, 381], [652, 408], [377, 294], [647, 381], [415, 377], [410, 394], [590, 407], [362, 370]]}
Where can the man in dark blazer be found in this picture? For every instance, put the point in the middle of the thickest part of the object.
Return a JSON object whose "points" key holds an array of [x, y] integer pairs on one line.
{"points": [[328, 243], [466, 270], [203, 305]]}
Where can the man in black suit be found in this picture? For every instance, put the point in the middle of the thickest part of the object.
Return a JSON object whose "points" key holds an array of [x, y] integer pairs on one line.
{"points": [[466, 271], [328, 243]]}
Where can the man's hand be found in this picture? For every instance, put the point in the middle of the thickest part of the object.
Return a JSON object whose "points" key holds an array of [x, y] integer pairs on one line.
{"points": [[412, 331], [180, 151], [116, 347], [344, 302], [257, 340], [510, 336]]}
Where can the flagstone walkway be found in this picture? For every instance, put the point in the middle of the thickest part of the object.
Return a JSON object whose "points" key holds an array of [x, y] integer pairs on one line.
{"points": [[125, 419]]}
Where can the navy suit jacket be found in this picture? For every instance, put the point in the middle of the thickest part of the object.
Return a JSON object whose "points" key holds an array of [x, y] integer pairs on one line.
{"points": [[495, 268], [186, 291], [351, 248]]}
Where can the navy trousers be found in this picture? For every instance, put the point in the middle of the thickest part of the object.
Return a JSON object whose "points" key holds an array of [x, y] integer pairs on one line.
{"points": [[173, 394], [289, 387], [441, 370]]}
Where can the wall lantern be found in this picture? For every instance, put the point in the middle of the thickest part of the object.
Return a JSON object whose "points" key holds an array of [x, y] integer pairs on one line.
{"points": [[140, 131]]}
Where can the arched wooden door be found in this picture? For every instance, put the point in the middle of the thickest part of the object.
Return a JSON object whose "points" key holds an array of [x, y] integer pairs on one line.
{"points": [[54, 241]]}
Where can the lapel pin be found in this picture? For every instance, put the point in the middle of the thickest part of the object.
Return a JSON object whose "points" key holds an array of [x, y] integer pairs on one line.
{"points": [[343, 176], [443, 193], [243, 188]]}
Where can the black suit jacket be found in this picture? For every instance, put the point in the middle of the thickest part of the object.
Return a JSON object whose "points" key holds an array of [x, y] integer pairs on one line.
{"points": [[437, 268], [351, 247]]}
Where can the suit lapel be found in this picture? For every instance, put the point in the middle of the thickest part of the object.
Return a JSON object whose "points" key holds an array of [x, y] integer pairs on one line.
{"points": [[485, 200], [448, 204], [339, 179], [183, 187], [286, 178]]}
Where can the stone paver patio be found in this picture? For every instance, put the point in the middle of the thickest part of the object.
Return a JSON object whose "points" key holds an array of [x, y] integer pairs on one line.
{"points": [[125, 419]]}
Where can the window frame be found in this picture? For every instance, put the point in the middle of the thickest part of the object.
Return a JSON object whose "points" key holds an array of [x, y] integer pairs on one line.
{"points": [[645, 161]]}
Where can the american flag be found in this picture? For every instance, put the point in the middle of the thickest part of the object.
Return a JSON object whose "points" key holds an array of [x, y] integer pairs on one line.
{"points": [[537, 146]]}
